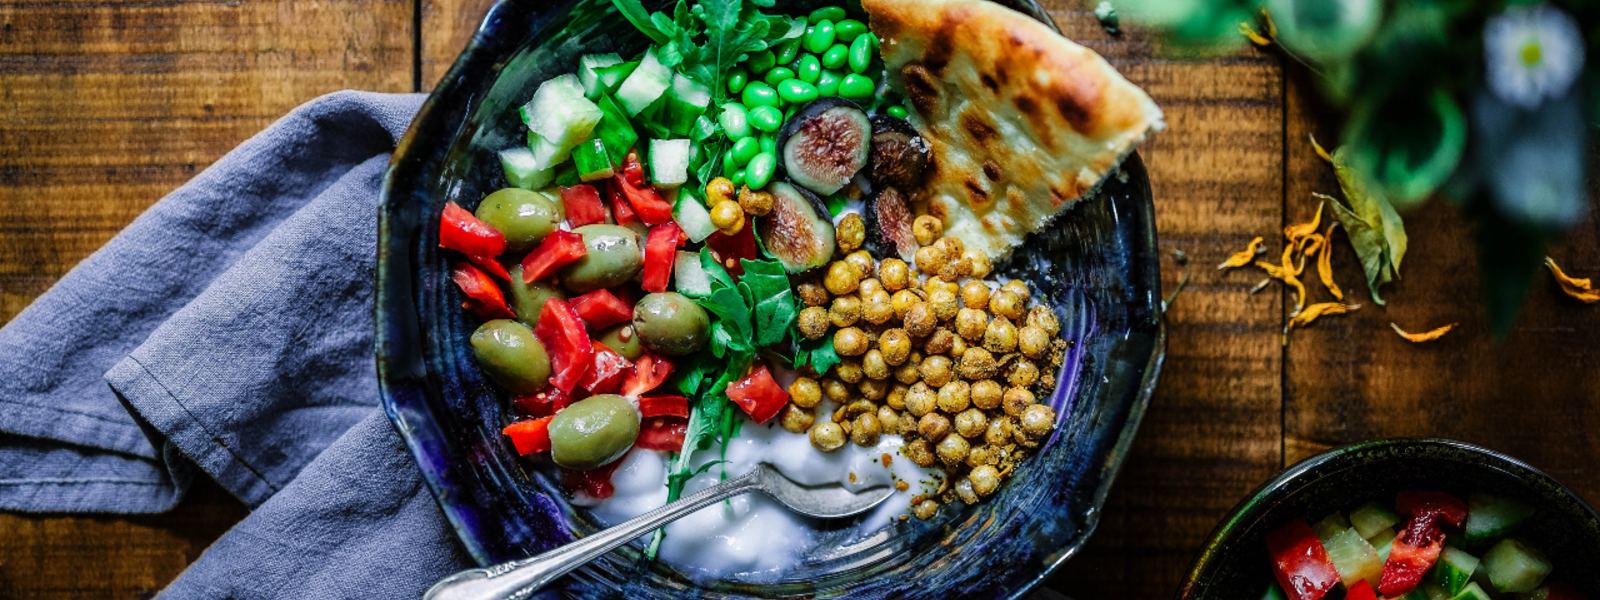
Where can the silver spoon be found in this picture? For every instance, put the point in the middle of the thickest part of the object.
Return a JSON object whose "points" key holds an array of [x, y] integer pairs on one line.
{"points": [[515, 578]]}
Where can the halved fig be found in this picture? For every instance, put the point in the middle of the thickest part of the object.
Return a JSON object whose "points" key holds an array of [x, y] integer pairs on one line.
{"points": [[798, 231], [889, 224], [825, 144], [900, 155]]}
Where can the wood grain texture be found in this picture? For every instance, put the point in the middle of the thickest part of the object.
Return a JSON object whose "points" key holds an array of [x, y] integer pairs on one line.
{"points": [[447, 25]]}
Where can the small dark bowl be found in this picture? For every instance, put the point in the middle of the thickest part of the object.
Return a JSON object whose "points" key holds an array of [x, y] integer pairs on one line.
{"points": [[1098, 265], [1234, 564]]}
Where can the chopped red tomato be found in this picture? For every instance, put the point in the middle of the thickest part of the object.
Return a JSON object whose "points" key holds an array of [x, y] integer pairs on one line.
{"points": [[649, 372], [542, 404], [557, 250], [582, 204], [620, 207], [567, 343], [1413, 552], [595, 483], [758, 394], [484, 298], [530, 436], [660, 250], [459, 230], [1299, 562], [1361, 591], [491, 266], [602, 309], [663, 433], [1448, 508], [729, 249], [664, 406], [607, 373]]}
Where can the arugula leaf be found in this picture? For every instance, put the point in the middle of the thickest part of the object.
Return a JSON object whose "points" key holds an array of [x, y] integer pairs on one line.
{"points": [[818, 353], [635, 13]]}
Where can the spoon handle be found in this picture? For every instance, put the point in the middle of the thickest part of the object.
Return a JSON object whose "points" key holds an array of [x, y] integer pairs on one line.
{"points": [[519, 578]]}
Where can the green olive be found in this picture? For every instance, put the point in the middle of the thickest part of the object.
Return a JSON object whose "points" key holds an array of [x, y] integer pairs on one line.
{"points": [[528, 299], [524, 216], [593, 432], [623, 340], [614, 256], [670, 323], [511, 357]]}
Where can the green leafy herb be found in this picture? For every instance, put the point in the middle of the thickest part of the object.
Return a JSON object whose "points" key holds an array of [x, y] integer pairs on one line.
{"points": [[818, 353], [635, 13], [1375, 230]]}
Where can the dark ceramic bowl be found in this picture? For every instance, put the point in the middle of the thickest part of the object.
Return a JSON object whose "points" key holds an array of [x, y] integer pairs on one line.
{"points": [[1234, 564], [1099, 266]]}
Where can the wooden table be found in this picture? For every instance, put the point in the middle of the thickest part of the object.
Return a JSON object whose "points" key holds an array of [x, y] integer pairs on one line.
{"points": [[104, 107]]}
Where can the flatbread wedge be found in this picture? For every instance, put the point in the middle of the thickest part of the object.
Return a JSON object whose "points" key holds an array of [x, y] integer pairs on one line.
{"points": [[1022, 123]]}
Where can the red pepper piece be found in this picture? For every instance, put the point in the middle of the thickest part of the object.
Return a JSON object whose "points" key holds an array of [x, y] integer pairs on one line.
{"points": [[491, 266], [729, 249], [1414, 551], [758, 394], [1361, 591], [607, 373], [660, 250], [662, 433], [1448, 508], [542, 404], [620, 207], [484, 297], [646, 201], [602, 309], [664, 406], [649, 372], [557, 250], [459, 230], [567, 343], [632, 169], [1299, 562], [595, 483], [582, 204], [530, 436]]}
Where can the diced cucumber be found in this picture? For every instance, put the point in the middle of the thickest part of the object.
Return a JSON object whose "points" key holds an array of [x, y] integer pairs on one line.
{"points": [[1433, 591], [1416, 593], [1472, 592], [1454, 570], [689, 276], [1330, 526], [1382, 537], [560, 113], [611, 77], [1371, 518], [592, 86], [1383, 549], [523, 171], [669, 162], [645, 85], [1273, 593], [1353, 557], [1490, 516], [686, 101], [567, 175], [1513, 566], [546, 154], [615, 130], [593, 161], [692, 216]]}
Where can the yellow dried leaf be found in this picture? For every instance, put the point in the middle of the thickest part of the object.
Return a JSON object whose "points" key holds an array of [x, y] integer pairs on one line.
{"points": [[1295, 233], [1323, 152], [1286, 274], [1581, 290], [1243, 257], [1319, 310], [1249, 33], [1426, 336], [1325, 264]]}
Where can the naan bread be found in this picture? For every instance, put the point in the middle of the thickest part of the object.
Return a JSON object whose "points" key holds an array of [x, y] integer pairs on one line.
{"points": [[1021, 121]]}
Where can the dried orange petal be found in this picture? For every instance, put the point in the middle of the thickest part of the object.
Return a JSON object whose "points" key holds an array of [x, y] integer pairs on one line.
{"points": [[1285, 274], [1319, 310], [1294, 233], [1322, 152], [1243, 257], [1426, 336], [1325, 264], [1249, 33], [1580, 289]]}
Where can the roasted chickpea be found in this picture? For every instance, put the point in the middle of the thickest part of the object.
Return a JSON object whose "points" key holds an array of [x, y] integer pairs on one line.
{"points": [[955, 396], [836, 390], [720, 189], [1037, 420], [977, 363], [902, 301], [953, 450], [805, 392], [927, 229], [864, 431], [873, 389], [1016, 400], [812, 322], [895, 344], [842, 278], [1004, 304], [874, 365], [979, 264], [896, 398], [944, 304], [850, 341], [979, 456], [862, 261], [870, 286], [952, 246], [895, 274], [812, 293], [985, 480], [1000, 337], [827, 436], [933, 426], [1018, 287], [958, 347], [908, 373], [845, 311], [850, 372], [850, 233], [1023, 373], [998, 432], [919, 320], [939, 342], [755, 203], [876, 307], [920, 452], [986, 394], [796, 419], [926, 509], [936, 283], [971, 423], [727, 217], [929, 259], [1044, 318], [920, 399], [954, 269], [975, 294], [971, 322], [888, 419], [965, 492], [1032, 341], [936, 371]]}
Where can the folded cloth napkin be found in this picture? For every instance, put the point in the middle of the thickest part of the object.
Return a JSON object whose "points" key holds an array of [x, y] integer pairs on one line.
{"points": [[228, 332]]}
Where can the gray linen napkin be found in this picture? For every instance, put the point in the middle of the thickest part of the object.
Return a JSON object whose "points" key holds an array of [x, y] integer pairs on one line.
{"points": [[232, 324]]}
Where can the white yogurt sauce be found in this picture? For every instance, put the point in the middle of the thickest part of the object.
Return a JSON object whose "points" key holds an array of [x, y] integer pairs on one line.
{"points": [[751, 534]]}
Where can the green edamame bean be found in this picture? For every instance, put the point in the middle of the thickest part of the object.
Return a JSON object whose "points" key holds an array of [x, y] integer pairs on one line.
{"points": [[745, 149], [762, 61], [828, 83], [757, 95], [848, 30], [735, 120], [786, 51], [831, 13], [737, 179], [593, 432], [759, 172], [861, 54], [766, 118], [778, 75], [808, 68], [855, 86], [836, 56], [897, 111], [769, 144], [737, 81], [796, 91], [819, 35], [730, 164]]}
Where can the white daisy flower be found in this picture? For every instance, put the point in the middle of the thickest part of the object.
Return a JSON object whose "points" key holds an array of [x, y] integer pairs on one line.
{"points": [[1533, 53]]}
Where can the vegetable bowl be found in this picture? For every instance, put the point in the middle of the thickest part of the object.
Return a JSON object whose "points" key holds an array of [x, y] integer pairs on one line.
{"points": [[503, 470]]}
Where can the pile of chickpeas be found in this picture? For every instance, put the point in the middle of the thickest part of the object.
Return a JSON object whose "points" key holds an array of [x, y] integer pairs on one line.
{"points": [[932, 353]]}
